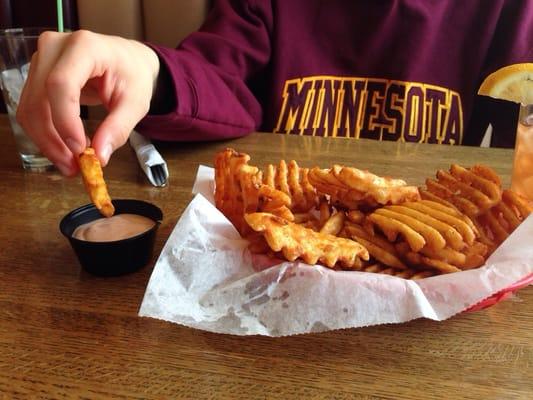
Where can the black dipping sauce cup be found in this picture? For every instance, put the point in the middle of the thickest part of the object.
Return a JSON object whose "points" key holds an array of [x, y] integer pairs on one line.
{"points": [[117, 257]]}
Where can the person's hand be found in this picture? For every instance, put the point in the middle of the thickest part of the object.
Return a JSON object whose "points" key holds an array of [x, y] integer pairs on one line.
{"points": [[70, 69]]}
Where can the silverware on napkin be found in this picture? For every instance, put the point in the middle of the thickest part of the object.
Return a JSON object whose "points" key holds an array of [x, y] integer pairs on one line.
{"points": [[151, 162]]}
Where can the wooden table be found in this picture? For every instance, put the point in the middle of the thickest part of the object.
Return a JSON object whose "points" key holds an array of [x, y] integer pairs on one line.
{"points": [[66, 334]]}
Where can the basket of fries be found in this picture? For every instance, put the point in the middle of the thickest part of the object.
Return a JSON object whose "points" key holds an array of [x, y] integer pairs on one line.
{"points": [[290, 250]]}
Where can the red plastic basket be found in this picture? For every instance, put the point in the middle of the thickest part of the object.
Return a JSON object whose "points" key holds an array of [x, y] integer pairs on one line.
{"points": [[503, 294]]}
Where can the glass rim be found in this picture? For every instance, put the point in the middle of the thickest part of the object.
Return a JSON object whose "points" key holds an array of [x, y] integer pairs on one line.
{"points": [[27, 32]]}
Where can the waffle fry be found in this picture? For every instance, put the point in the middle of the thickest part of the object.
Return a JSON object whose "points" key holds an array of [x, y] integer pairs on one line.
{"points": [[325, 211], [293, 181], [339, 195], [487, 173], [351, 187], [459, 222], [355, 216], [522, 207], [379, 248], [239, 189], [422, 261], [481, 178], [475, 255], [392, 227], [445, 194], [228, 197], [450, 238], [93, 178], [334, 224], [295, 241], [347, 218], [473, 191], [450, 235], [501, 220], [382, 190], [477, 193]]}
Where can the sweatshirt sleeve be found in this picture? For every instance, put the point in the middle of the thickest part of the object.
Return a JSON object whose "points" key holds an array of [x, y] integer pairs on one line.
{"points": [[211, 72]]}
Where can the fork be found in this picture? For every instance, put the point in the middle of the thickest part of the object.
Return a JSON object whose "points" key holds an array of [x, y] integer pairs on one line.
{"points": [[150, 161], [158, 173]]}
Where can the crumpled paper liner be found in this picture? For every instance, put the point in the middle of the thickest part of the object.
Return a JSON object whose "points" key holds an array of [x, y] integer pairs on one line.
{"points": [[206, 279]]}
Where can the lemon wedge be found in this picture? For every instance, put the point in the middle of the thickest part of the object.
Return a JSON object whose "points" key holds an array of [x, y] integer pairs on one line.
{"points": [[512, 83]]}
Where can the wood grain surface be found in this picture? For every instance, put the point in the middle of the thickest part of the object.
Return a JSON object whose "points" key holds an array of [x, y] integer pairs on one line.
{"points": [[66, 334]]}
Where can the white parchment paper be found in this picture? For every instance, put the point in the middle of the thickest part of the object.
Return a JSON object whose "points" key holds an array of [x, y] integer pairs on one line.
{"points": [[205, 278]]}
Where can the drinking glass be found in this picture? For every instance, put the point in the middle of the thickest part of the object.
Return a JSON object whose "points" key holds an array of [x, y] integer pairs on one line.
{"points": [[17, 46], [522, 179]]}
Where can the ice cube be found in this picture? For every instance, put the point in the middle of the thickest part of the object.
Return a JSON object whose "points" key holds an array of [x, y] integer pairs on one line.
{"points": [[24, 70]]}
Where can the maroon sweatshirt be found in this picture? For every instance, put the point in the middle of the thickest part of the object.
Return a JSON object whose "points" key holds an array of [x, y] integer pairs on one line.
{"points": [[381, 69]]}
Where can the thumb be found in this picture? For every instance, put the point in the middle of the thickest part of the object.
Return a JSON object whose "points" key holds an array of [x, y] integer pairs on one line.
{"points": [[114, 131]]}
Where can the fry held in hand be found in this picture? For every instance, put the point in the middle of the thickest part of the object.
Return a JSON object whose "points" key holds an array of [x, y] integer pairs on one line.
{"points": [[93, 178]]}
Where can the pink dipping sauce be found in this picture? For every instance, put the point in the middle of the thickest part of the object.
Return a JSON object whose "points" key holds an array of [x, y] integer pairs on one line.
{"points": [[117, 227]]}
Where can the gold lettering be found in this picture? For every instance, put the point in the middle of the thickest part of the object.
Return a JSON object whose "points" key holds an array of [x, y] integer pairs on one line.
{"points": [[396, 110]]}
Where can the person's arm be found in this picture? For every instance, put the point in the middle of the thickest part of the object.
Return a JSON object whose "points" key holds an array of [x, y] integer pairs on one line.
{"points": [[70, 69], [209, 75]]}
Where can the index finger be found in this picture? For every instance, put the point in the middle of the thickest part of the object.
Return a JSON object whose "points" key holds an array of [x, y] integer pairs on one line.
{"points": [[33, 112], [74, 67]]}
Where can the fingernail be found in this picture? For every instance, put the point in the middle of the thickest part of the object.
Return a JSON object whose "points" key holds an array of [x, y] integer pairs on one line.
{"points": [[73, 145]]}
